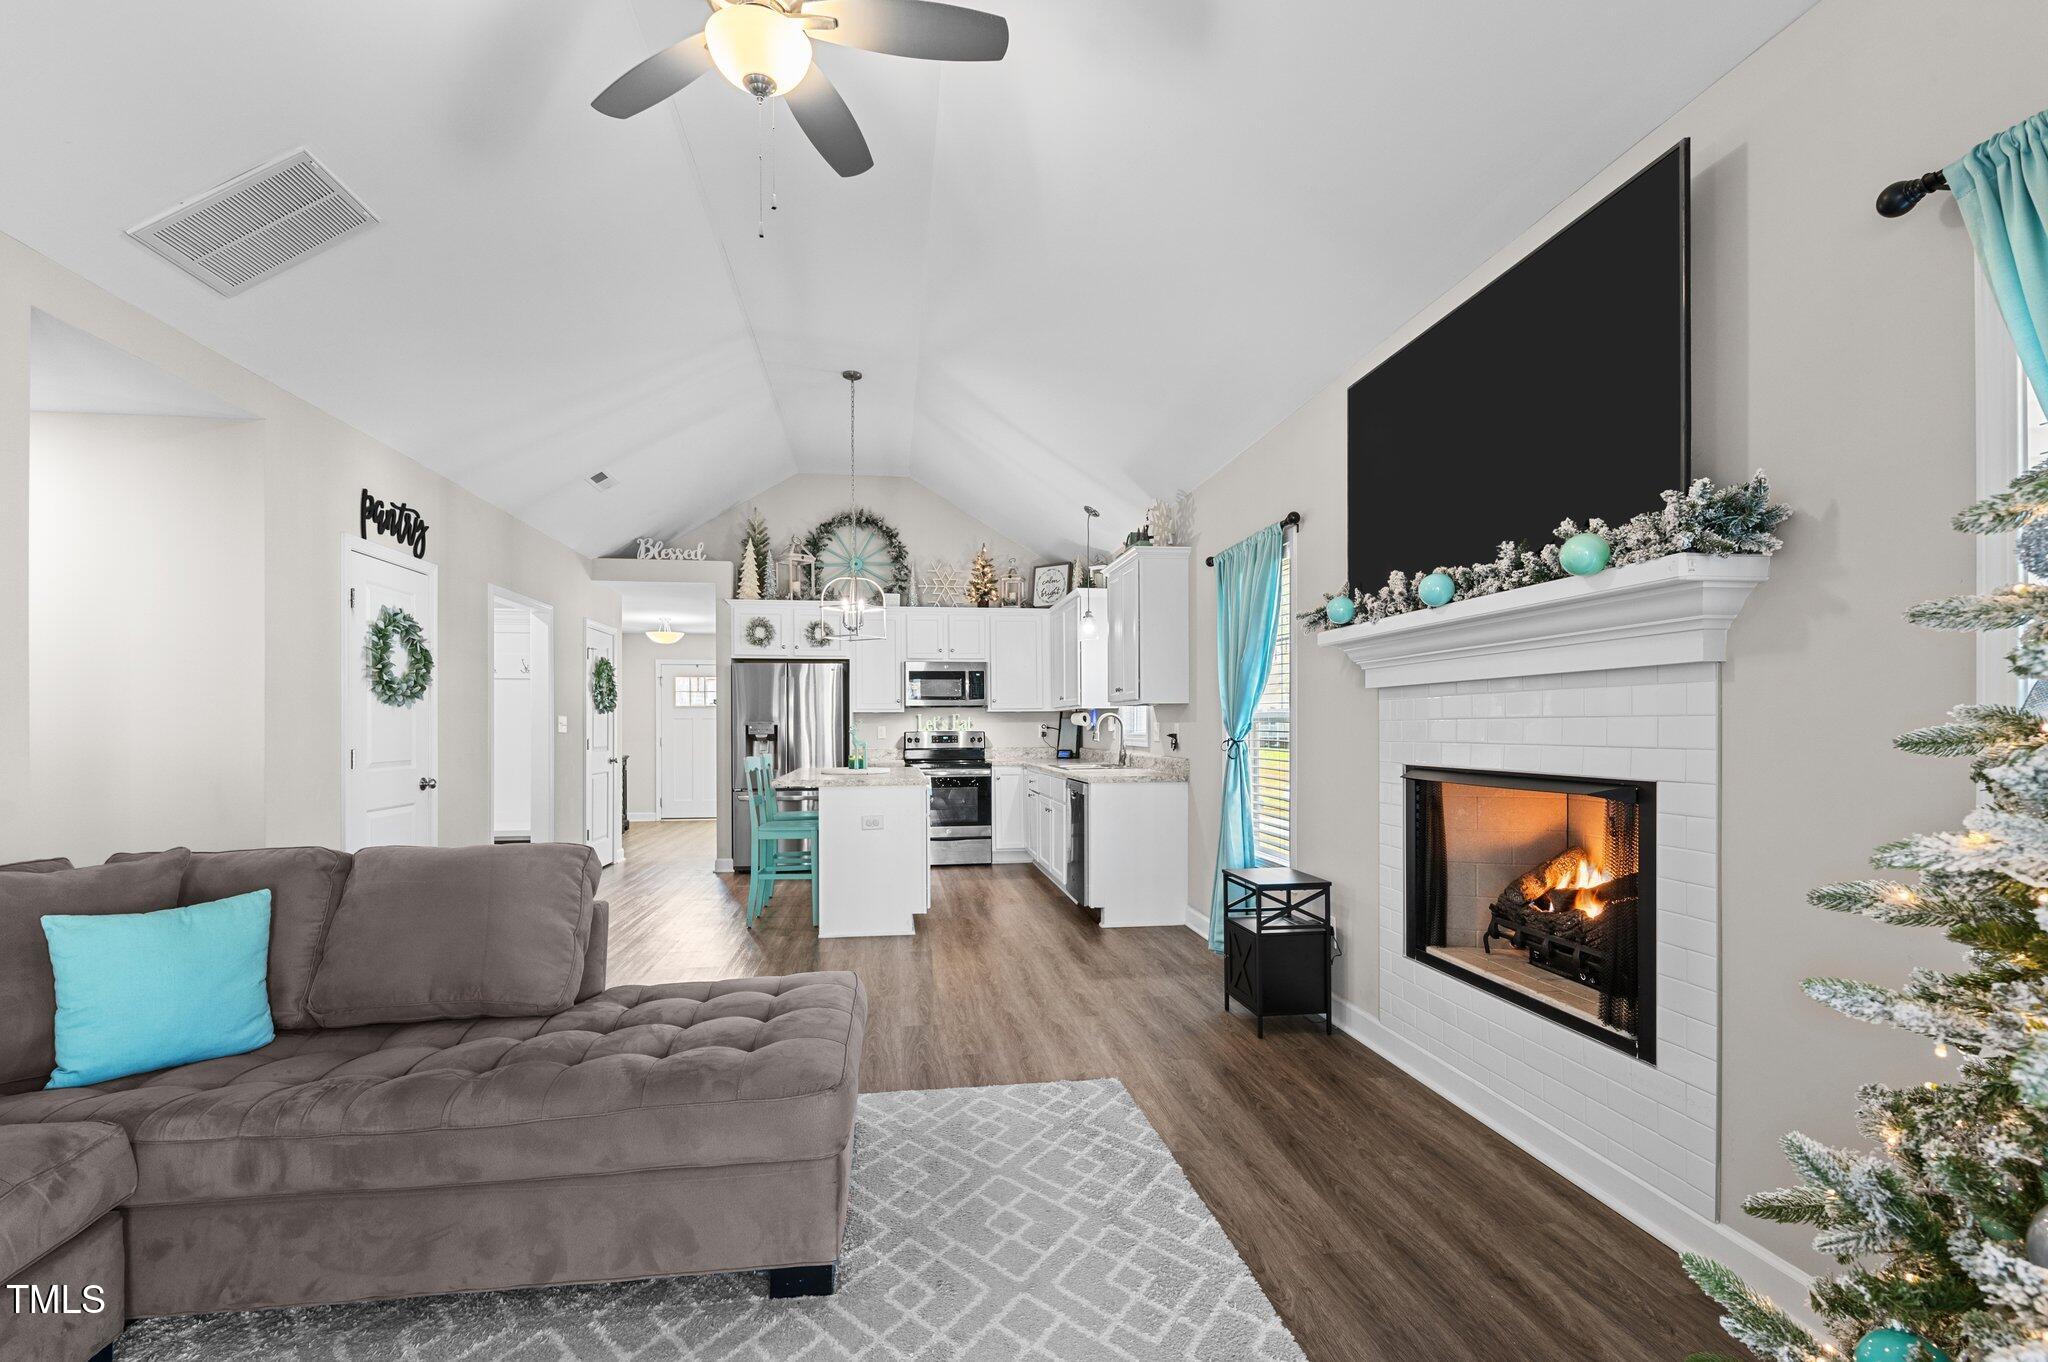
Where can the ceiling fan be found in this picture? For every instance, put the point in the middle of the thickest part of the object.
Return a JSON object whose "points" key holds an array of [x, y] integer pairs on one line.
{"points": [[764, 48]]}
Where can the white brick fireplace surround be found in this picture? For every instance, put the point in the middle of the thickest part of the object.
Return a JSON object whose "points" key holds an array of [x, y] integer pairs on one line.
{"points": [[1612, 676]]}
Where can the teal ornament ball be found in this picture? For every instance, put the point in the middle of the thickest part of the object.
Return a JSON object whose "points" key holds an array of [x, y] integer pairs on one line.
{"points": [[1340, 610], [1897, 1345], [1436, 589], [1584, 554]]}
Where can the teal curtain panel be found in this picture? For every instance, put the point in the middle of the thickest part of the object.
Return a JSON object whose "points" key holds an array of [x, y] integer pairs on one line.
{"points": [[1247, 621], [2001, 185]]}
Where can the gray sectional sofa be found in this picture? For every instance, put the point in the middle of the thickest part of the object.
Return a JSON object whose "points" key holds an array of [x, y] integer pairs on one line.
{"points": [[454, 1102]]}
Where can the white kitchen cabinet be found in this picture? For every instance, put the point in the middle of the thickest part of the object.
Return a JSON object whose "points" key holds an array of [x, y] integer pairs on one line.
{"points": [[877, 666], [777, 614], [967, 633], [1012, 833], [1148, 627], [815, 631], [924, 633], [1079, 667], [1017, 678]]}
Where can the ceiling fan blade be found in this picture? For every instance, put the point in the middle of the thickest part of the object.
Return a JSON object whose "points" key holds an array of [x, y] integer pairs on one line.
{"points": [[913, 28], [655, 79], [826, 120]]}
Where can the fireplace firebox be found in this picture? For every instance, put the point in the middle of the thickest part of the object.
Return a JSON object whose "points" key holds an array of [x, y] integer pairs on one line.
{"points": [[1539, 890]]}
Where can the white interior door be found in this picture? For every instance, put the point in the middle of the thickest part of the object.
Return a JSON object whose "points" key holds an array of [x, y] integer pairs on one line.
{"points": [[686, 738], [544, 727], [601, 750], [389, 780]]}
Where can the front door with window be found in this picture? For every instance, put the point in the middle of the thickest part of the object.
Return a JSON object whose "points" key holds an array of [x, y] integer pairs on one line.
{"points": [[686, 700]]}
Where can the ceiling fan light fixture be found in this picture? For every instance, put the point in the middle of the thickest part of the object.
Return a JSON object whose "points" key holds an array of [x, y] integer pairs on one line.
{"points": [[758, 48]]}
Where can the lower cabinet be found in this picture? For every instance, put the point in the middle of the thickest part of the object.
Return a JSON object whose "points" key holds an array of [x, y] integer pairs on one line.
{"points": [[1012, 815]]}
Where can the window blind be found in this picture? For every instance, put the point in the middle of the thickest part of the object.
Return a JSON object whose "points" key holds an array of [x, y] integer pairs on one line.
{"points": [[1272, 744]]}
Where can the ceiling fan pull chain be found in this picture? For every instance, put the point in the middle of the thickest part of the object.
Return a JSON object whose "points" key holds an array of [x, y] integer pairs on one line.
{"points": [[760, 166], [773, 197]]}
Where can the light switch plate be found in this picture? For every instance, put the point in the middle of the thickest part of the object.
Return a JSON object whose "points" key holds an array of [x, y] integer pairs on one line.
{"points": [[871, 822], [561, 723]]}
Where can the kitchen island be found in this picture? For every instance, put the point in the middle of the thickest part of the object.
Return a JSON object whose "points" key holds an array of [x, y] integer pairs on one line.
{"points": [[874, 847]]}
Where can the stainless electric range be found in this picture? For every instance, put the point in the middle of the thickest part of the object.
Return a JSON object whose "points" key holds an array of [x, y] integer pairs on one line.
{"points": [[963, 794]]}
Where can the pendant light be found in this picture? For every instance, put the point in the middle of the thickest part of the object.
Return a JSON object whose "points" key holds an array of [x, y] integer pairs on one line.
{"points": [[1089, 628], [664, 635], [853, 595]]}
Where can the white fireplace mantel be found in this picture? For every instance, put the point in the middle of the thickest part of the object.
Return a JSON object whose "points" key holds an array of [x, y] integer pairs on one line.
{"points": [[1661, 613]]}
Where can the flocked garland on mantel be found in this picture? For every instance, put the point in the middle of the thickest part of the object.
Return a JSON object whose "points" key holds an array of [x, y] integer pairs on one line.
{"points": [[1723, 521], [395, 628], [860, 518], [604, 686]]}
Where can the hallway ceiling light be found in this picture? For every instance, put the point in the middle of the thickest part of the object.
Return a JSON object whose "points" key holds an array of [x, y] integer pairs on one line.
{"points": [[664, 635]]}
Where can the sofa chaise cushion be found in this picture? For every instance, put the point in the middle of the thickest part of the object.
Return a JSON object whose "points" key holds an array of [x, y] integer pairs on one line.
{"points": [[42, 866], [55, 1181], [28, 996], [488, 931], [703, 1075]]}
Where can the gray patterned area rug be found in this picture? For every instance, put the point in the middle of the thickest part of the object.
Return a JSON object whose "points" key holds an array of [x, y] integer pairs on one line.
{"points": [[1036, 1221]]}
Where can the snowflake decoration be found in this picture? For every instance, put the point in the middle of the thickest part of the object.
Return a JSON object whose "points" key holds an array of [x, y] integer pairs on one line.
{"points": [[944, 583]]}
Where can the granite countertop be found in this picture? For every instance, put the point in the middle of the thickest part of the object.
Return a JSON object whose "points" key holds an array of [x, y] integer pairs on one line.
{"points": [[840, 777], [1141, 771]]}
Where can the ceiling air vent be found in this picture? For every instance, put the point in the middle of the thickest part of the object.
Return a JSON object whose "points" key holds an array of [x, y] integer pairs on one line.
{"points": [[256, 224], [601, 481]]}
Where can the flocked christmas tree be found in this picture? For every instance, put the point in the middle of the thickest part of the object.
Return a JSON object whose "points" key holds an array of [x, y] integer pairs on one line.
{"points": [[981, 579], [1939, 1224]]}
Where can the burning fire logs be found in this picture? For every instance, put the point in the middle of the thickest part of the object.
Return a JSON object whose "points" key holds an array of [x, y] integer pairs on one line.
{"points": [[1565, 902]]}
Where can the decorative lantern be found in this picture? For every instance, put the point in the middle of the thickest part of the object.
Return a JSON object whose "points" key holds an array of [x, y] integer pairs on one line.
{"points": [[1012, 585], [796, 570]]}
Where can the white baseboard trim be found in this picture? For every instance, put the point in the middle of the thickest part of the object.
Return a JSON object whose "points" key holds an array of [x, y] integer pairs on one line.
{"points": [[1197, 921], [643, 815], [1682, 1230], [722, 866]]}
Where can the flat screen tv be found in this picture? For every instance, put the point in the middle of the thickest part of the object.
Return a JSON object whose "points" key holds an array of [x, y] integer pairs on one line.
{"points": [[1560, 389]]}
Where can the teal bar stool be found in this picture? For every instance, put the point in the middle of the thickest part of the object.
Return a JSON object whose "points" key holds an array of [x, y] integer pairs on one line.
{"points": [[770, 827]]}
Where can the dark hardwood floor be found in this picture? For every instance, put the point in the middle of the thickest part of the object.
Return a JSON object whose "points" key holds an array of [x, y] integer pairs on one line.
{"points": [[1384, 1223]]}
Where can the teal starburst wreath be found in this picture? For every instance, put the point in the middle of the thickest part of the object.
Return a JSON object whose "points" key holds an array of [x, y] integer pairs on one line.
{"points": [[859, 541], [395, 628], [604, 686]]}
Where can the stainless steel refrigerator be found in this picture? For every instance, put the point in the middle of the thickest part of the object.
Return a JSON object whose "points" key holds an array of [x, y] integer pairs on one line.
{"points": [[795, 712]]}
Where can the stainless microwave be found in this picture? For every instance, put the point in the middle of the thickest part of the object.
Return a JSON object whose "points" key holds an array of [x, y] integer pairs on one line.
{"points": [[935, 685]]}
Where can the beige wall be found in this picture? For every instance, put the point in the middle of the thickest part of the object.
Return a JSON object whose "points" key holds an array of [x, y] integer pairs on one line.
{"points": [[146, 632], [314, 467], [1834, 350], [931, 526]]}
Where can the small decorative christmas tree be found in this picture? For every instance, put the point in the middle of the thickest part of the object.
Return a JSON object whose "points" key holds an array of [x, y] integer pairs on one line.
{"points": [[754, 546], [750, 576], [1940, 1227], [981, 580]]}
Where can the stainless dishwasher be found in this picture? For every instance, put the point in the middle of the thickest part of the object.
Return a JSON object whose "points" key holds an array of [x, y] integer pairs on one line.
{"points": [[1077, 842]]}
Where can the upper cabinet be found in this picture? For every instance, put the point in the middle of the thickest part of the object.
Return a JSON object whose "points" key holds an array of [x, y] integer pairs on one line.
{"points": [[877, 683], [1079, 670], [784, 629], [1148, 627], [956, 632], [1017, 672]]}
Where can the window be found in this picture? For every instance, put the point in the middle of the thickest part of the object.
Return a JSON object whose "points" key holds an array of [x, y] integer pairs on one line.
{"points": [[696, 690], [2012, 436], [1272, 744]]}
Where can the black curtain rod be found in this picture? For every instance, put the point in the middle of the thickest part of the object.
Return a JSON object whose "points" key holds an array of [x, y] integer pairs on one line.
{"points": [[1899, 197], [1287, 522]]}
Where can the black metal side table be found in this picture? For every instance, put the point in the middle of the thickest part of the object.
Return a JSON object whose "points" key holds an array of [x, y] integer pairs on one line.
{"points": [[1277, 943]]}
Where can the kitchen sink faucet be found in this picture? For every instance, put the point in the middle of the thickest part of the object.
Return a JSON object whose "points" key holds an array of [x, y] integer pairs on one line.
{"points": [[1123, 758]]}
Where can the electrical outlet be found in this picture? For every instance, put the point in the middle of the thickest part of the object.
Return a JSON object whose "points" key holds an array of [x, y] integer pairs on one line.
{"points": [[871, 822], [1173, 741], [561, 723]]}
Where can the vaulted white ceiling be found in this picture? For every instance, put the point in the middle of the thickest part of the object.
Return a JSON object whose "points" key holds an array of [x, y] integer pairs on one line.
{"points": [[1092, 272]]}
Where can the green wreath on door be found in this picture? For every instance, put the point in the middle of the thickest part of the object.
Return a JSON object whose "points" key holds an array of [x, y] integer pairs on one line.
{"points": [[395, 629], [604, 686]]}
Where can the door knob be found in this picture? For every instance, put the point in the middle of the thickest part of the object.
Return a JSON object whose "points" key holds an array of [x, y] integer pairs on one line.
{"points": [[429, 783], [611, 761]]}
